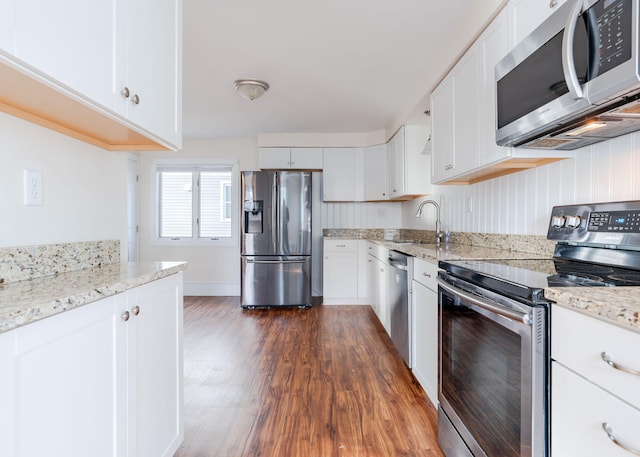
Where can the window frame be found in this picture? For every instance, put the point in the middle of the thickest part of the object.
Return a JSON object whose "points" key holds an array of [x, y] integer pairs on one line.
{"points": [[193, 165]]}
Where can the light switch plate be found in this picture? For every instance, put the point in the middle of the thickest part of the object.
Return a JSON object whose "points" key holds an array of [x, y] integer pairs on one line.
{"points": [[32, 188]]}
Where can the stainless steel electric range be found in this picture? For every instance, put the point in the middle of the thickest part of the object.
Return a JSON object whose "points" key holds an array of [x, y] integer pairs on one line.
{"points": [[494, 326]]}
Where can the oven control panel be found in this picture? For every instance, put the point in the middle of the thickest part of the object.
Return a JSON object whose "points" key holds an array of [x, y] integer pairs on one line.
{"points": [[615, 223]]}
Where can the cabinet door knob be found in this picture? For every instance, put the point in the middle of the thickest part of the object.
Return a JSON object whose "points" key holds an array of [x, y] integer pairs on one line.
{"points": [[125, 92], [125, 316], [553, 3], [136, 310], [135, 100]]}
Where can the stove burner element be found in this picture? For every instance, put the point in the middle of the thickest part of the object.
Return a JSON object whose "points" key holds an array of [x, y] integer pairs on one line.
{"points": [[626, 279]]}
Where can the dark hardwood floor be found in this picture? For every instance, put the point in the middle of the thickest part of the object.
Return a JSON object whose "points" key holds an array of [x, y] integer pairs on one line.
{"points": [[318, 382]]}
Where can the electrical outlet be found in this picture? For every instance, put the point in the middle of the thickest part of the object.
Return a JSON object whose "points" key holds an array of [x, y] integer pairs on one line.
{"points": [[32, 188]]}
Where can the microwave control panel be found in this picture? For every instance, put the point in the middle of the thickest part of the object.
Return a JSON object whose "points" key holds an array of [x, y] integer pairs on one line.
{"points": [[613, 19]]}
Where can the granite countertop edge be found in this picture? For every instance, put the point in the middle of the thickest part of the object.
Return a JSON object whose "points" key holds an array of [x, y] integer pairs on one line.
{"points": [[28, 301], [615, 305]]}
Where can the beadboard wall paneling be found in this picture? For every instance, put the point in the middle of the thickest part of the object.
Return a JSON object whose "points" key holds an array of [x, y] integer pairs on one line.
{"points": [[518, 203]]}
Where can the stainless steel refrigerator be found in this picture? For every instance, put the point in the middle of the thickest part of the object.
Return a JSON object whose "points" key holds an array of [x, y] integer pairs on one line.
{"points": [[276, 239]]}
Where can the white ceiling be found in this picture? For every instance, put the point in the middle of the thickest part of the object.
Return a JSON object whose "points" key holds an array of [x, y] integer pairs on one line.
{"points": [[334, 66]]}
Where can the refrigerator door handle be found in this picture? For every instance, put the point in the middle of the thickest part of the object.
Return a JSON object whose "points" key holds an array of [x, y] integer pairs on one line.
{"points": [[275, 261], [275, 214]]}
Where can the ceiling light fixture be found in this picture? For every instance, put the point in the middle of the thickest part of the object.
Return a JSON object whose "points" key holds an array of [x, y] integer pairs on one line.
{"points": [[250, 88]]}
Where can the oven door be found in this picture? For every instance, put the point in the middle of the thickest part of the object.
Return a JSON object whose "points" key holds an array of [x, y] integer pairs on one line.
{"points": [[493, 388]]}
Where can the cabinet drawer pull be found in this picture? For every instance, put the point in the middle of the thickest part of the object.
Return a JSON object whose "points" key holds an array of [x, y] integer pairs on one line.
{"points": [[612, 364], [426, 274], [609, 431], [341, 245]]}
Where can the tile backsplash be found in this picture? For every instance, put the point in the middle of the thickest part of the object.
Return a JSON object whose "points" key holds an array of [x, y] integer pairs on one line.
{"points": [[28, 262]]}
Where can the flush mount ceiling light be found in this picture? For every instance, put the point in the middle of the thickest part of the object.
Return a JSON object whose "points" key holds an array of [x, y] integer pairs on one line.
{"points": [[250, 88]]}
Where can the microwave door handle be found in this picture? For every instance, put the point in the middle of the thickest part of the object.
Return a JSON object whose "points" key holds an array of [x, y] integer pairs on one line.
{"points": [[568, 62]]}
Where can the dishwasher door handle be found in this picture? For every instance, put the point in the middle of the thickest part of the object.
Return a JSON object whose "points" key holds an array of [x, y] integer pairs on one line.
{"points": [[398, 266]]}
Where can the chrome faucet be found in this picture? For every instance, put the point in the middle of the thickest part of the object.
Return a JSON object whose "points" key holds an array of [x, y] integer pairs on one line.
{"points": [[439, 234]]}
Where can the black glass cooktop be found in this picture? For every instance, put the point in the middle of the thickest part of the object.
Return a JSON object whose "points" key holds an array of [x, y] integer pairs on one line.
{"points": [[527, 278]]}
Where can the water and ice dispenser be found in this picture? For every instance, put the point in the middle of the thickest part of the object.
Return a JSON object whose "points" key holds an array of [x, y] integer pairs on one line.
{"points": [[253, 216]]}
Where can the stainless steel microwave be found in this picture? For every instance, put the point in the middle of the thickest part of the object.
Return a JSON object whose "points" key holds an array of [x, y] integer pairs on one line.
{"points": [[574, 80]]}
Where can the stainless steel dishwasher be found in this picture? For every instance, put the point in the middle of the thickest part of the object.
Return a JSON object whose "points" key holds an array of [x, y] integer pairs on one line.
{"points": [[400, 274]]}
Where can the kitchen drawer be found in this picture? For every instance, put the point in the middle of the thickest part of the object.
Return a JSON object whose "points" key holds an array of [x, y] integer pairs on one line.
{"points": [[378, 251], [578, 341], [578, 410], [425, 273], [331, 245]]}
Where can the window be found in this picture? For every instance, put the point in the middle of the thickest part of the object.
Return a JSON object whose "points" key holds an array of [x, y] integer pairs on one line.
{"points": [[195, 202]]}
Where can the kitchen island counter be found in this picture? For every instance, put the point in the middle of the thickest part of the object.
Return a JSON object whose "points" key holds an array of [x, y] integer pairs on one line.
{"points": [[27, 301]]}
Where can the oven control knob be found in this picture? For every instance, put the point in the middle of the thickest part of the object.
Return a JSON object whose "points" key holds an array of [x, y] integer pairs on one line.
{"points": [[557, 221], [573, 221]]}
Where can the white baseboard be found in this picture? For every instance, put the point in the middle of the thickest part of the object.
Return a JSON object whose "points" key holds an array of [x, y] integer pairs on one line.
{"points": [[210, 289]]}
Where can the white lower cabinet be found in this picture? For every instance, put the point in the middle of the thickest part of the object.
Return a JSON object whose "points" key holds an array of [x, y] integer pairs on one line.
{"points": [[579, 410], [342, 281], [377, 259], [425, 327], [154, 368], [592, 388], [89, 382]]}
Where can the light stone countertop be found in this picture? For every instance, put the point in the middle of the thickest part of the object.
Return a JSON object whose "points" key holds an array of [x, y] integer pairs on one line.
{"points": [[433, 253], [615, 305], [23, 302]]}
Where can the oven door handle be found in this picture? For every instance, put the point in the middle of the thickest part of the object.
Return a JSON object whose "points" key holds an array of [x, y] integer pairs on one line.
{"points": [[493, 307]]}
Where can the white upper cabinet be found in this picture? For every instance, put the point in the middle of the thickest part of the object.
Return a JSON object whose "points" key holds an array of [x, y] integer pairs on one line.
{"points": [[7, 42], [463, 117], [106, 72], [340, 175], [290, 158], [442, 141], [376, 179], [454, 111], [492, 46], [75, 42], [408, 163], [154, 67], [526, 15], [306, 158]]}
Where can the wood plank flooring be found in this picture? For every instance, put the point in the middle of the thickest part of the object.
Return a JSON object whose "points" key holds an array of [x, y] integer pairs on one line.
{"points": [[318, 382]]}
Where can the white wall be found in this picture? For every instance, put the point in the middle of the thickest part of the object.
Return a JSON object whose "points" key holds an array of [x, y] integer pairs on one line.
{"points": [[521, 203], [84, 188], [211, 270]]}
